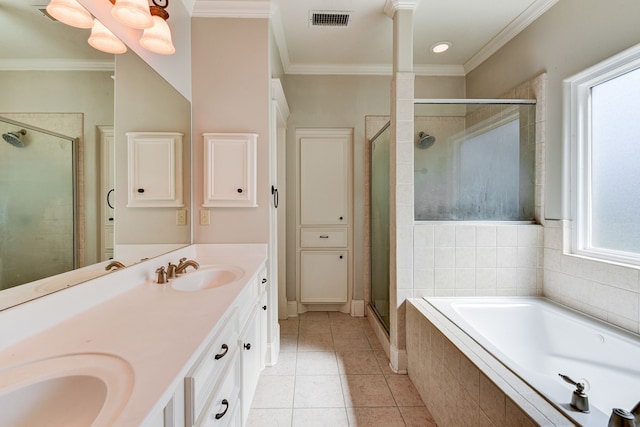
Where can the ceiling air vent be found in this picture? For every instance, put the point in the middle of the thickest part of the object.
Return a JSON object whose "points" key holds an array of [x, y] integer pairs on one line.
{"points": [[329, 18]]}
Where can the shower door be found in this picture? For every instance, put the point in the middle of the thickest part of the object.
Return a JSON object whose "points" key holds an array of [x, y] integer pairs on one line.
{"points": [[36, 206], [380, 224]]}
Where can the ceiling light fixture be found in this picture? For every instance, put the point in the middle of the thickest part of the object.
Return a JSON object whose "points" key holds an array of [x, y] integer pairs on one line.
{"points": [[441, 47], [136, 14], [103, 39], [70, 12]]}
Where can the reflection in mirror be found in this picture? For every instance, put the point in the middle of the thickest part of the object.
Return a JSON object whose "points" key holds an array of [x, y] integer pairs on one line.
{"points": [[51, 78]]}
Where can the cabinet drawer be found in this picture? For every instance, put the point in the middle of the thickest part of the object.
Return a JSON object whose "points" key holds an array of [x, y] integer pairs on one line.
{"points": [[203, 377], [324, 238], [223, 409]]}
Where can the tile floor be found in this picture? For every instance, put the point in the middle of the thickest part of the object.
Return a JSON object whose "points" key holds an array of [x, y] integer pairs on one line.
{"points": [[332, 371]]}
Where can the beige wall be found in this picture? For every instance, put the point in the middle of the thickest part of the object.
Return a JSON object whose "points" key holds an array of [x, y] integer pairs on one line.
{"points": [[86, 92], [231, 93], [153, 106], [571, 36], [344, 101]]}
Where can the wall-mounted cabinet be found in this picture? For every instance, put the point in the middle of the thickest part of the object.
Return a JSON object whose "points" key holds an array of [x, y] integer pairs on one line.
{"points": [[154, 169], [230, 170]]}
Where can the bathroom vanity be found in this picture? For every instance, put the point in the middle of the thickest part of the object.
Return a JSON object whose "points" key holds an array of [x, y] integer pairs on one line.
{"points": [[123, 350]]}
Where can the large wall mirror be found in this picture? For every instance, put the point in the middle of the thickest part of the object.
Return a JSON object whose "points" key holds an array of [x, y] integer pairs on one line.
{"points": [[63, 181]]}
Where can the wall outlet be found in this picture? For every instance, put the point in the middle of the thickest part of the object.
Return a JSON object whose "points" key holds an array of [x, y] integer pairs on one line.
{"points": [[181, 217], [205, 218]]}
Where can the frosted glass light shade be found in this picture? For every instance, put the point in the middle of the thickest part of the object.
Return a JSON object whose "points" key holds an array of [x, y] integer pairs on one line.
{"points": [[70, 12], [157, 39], [104, 40], [133, 13]]}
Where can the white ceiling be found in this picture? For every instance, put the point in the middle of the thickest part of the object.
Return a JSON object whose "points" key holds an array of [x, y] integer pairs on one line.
{"points": [[476, 29]]}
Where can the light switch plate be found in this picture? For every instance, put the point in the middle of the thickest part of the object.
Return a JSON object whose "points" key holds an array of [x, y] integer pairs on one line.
{"points": [[205, 218], [181, 217]]}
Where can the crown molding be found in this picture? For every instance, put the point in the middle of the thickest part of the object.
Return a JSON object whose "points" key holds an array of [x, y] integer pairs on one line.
{"points": [[281, 40], [391, 6], [231, 9], [439, 70], [532, 13], [55, 65], [443, 70]]}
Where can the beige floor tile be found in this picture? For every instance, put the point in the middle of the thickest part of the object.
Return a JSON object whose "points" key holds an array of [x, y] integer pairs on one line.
{"points": [[348, 327], [288, 343], [320, 417], [322, 391], [338, 316], [358, 363], [313, 315], [269, 417], [289, 326], [374, 417], [314, 327], [315, 343], [417, 416], [351, 342], [274, 392], [286, 365], [383, 361], [403, 390], [366, 391], [317, 363]]}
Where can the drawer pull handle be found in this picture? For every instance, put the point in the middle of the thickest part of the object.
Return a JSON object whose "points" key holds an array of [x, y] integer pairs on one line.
{"points": [[324, 237], [264, 280], [221, 355], [247, 346], [225, 402]]}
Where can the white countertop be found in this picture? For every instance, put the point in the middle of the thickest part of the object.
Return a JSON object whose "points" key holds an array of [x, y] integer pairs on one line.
{"points": [[159, 331]]}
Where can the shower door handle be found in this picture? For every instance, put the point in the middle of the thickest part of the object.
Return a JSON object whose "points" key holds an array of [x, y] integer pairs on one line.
{"points": [[274, 191]]}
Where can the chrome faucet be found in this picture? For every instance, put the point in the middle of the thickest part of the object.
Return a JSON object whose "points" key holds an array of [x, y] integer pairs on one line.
{"points": [[184, 263], [621, 418], [579, 399], [114, 265]]}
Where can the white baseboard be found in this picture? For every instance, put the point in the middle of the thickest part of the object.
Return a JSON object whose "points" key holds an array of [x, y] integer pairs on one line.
{"points": [[273, 349], [292, 309], [357, 308]]}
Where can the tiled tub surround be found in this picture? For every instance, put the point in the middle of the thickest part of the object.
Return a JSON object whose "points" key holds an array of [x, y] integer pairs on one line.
{"points": [[604, 290], [157, 331], [461, 383], [477, 259]]}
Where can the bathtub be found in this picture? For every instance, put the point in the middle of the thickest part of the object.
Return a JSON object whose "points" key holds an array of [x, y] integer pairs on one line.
{"points": [[537, 339]]}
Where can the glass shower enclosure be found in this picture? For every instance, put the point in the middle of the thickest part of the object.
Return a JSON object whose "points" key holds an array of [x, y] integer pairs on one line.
{"points": [[474, 160], [37, 203]]}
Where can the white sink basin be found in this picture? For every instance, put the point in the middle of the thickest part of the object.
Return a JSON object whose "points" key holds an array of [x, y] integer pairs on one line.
{"points": [[207, 278], [70, 390]]}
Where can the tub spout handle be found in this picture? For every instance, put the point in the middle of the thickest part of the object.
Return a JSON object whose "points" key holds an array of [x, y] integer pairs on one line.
{"points": [[579, 399]]}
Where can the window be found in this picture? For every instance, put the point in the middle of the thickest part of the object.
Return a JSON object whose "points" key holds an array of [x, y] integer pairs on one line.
{"points": [[602, 134]]}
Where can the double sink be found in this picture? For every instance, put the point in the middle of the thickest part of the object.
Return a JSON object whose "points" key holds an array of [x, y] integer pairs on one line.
{"points": [[86, 388]]}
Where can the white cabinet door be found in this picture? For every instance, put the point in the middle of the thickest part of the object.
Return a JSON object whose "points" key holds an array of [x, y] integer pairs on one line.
{"points": [[230, 170], [324, 180], [324, 276], [250, 361], [155, 169]]}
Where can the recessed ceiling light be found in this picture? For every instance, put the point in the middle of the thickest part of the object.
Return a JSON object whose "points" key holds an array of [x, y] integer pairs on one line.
{"points": [[441, 47]]}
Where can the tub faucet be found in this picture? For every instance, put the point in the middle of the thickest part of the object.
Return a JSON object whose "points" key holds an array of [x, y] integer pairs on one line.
{"points": [[579, 399], [184, 263], [114, 265], [621, 418]]}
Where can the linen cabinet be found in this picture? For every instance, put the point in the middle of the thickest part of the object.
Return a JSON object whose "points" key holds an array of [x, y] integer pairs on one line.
{"points": [[324, 216]]}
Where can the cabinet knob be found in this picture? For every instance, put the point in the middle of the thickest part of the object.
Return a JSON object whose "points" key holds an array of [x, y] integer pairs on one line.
{"points": [[340, 218], [340, 256], [247, 346], [264, 307], [140, 190], [240, 190], [264, 280]]}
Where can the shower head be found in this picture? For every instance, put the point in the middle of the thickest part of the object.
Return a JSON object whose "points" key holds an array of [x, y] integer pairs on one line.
{"points": [[425, 140], [13, 138]]}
